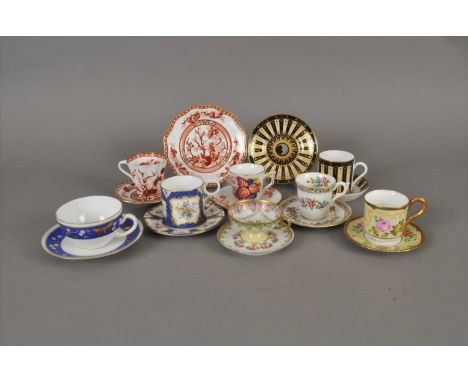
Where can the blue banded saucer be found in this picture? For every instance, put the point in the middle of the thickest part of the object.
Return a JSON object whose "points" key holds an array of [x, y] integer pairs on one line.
{"points": [[154, 220], [57, 244]]}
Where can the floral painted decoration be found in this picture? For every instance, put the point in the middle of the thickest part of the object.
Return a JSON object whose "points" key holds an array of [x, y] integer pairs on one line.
{"points": [[384, 228], [312, 203]]}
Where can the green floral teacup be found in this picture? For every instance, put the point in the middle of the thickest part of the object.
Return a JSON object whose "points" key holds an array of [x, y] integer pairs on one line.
{"points": [[385, 215]]}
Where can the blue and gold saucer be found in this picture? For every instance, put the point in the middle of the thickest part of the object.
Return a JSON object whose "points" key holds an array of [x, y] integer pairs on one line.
{"points": [[57, 244]]}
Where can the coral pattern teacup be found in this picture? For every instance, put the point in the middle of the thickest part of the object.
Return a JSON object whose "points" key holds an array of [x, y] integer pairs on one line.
{"points": [[385, 213], [92, 221], [314, 194], [146, 171], [248, 180], [256, 218], [183, 200]]}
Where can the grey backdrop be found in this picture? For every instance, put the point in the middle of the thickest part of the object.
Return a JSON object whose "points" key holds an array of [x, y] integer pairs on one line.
{"points": [[71, 108]]}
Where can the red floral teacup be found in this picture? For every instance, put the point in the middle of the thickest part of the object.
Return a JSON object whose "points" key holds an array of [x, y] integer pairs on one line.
{"points": [[146, 171], [385, 216], [248, 180]]}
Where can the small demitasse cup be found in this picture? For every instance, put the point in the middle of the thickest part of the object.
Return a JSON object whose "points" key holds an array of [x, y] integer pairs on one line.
{"points": [[255, 218], [146, 170], [248, 180], [341, 165], [315, 194], [92, 221], [385, 215], [183, 200]]}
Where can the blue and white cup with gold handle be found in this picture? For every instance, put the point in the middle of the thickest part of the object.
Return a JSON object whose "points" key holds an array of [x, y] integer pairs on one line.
{"points": [[93, 221], [183, 200]]}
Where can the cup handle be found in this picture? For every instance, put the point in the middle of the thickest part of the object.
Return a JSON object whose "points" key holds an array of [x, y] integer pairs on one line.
{"points": [[132, 228], [286, 220], [362, 164], [339, 194], [120, 164], [271, 175], [213, 193], [423, 209]]}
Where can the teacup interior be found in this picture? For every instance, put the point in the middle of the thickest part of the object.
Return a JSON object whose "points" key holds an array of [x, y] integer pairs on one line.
{"points": [[387, 198], [315, 179], [247, 169], [146, 159], [254, 212], [88, 210], [336, 156], [181, 183]]}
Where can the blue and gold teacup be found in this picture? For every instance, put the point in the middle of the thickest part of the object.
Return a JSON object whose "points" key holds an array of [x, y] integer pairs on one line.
{"points": [[182, 198], [93, 221]]}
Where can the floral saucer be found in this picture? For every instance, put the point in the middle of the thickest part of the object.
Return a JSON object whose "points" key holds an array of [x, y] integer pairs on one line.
{"points": [[229, 236], [412, 238], [339, 212], [225, 197], [57, 244], [357, 191], [127, 193], [154, 220]]}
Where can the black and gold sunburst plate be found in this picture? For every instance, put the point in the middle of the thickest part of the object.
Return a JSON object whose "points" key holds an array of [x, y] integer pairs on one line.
{"points": [[284, 144]]}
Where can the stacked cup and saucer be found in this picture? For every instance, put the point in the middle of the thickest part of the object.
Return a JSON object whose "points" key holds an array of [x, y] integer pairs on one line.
{"points": [[91, 227], [146, 172], [316, 205], [185, 210], [248, 181], [256, 225]]}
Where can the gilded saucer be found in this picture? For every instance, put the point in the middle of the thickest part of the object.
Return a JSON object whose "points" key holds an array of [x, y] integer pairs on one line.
{"points": [[339, 212], [229, 236], [154, 219], [357, 190], [412, 238], [126, 192], [57, 244], [225, 197]]}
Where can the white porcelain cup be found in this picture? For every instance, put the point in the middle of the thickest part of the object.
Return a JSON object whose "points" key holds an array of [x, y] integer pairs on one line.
{"points": [[315, 194], [146, 170], [93, 221], [248, 180]]}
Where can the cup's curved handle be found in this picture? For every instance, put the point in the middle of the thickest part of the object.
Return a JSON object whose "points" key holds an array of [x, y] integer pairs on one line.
{"points": [[120, 164], [286, 220], [339, 194], [422, 210], [132, 228], [363, 165], [212, 193], [271, 175]]}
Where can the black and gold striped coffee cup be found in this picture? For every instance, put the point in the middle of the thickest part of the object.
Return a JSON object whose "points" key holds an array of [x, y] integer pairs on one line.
{"points": [[341, 165]]}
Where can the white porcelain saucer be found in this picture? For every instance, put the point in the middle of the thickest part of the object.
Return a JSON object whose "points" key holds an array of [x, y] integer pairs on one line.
{"points": [[278, 238], [357, 191], [57, 244], [126, 192], [339, 212], [154, 220], [225, 197]]}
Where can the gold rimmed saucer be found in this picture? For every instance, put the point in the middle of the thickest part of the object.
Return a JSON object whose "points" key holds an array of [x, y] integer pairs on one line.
{"points": [[413, 237]]}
